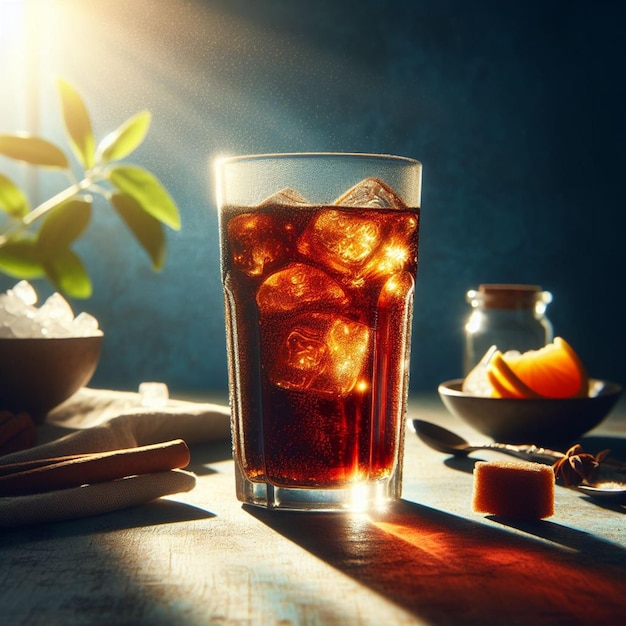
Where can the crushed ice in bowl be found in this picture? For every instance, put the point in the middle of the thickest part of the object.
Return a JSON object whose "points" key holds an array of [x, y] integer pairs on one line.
{"points": [[21, 318]]}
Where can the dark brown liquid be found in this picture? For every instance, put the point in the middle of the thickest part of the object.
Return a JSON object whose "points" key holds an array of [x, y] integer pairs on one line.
{"points": [[318, 312]]}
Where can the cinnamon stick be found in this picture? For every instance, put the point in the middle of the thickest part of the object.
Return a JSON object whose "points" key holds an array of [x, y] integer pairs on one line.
{"points": [[97, 467], [22, 466]]}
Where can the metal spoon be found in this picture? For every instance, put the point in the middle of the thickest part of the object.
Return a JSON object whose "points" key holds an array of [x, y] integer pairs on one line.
{"points": [[608, 491], [443, 440]]}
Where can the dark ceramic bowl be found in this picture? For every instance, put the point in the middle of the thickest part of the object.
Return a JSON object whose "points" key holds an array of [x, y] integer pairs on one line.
{"points": [[545, 421], [38, 374]]}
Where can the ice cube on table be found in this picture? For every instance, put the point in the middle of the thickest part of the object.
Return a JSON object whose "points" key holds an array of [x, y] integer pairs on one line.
{"points": [[297, 287], [153, 394], [258, 241], [371, 193], [320, 353]]}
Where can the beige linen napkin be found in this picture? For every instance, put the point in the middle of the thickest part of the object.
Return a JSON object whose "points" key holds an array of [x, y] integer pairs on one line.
{"points": [[96, 420]]}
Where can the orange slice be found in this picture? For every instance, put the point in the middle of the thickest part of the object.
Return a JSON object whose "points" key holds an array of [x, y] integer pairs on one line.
{"points": [[554, 371], [498, 389], [504, 382]]}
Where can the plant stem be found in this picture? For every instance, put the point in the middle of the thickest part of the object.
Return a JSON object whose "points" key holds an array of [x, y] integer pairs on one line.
{"points": [[48, 205], [59, 198]]}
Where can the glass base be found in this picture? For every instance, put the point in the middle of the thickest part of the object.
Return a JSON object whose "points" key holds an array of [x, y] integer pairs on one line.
{"points": [[365, 496]]}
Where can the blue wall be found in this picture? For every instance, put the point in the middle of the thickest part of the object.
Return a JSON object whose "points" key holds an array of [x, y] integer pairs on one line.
{"points": [[515, 109]]}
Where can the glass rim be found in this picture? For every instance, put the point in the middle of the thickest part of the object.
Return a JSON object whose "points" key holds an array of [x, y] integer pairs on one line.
{"points": [[303, 155]]}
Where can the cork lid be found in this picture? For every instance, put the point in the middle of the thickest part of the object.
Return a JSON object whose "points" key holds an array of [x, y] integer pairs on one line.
{"points": [[506, 296]]}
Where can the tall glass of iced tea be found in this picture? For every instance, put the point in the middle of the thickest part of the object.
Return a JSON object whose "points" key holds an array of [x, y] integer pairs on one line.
{"points": [[319, 257]]}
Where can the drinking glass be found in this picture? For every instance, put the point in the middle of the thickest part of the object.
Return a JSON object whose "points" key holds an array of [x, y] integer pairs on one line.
{"points": [[318, 262]]}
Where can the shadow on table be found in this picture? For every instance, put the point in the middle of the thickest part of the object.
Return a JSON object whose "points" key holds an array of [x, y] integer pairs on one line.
{"points": [[596, 443], [206, 454], [155, 513], [450, 570]]}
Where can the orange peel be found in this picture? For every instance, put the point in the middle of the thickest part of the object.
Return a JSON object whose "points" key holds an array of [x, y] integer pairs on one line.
{"points": [[504, 381], [553, 371]]}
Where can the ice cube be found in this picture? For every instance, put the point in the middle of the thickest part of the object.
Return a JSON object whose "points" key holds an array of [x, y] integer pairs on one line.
{"points": [[341, 240], [299, 286], [320, 353], [13, 306], [85, 325], [16, 316], [371, 193], [393, 255], [360, 246], [55, 309], [55, 317], [25, 292], [153, 394], [20, 317], [286, 196], [25, 327], [258, 241]]}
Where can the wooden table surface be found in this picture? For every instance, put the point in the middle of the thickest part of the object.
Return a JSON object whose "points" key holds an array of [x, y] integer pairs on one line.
{"points": [[203, 558]]}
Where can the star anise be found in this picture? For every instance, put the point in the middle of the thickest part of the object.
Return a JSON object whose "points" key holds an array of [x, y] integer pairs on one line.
{"points": [[578, 466]]}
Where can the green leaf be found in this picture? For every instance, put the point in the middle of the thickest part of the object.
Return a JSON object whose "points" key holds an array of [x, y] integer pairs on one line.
{"points": [[147, 230], [77, 123], [146, 189], [12, 198], [68, 274], [121, 142], [18, 258], [62, 226], [33, 150]]}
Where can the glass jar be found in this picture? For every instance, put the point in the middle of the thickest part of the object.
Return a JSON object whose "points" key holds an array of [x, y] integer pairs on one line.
{"points": [[512, 317]]}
